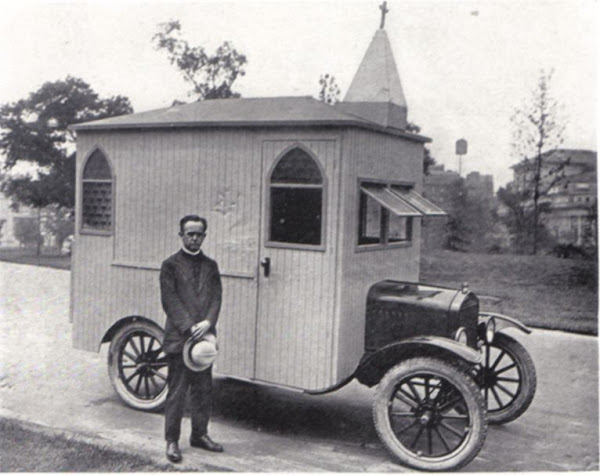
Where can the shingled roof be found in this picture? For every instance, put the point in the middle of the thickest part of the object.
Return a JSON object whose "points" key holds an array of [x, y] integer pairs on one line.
{"points": [[252, 112], [586, 158]]}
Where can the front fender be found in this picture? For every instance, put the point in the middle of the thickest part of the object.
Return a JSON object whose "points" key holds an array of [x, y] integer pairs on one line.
{"points": [[503, 321], [374, 365]]}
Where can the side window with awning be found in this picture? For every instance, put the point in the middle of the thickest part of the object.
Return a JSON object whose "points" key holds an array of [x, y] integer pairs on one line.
{"points": [[386, 213]]}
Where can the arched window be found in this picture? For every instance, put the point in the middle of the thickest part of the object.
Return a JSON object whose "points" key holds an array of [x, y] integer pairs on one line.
{"points": [[97, 194], [296, 200]]}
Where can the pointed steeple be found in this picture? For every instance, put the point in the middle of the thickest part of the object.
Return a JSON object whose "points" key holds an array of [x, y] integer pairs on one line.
{"points": [[377, 78], [376, 92]]}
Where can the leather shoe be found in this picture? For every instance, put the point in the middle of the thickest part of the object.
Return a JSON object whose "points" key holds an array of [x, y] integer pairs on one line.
{"points": [[173, 452], [206, 443]]}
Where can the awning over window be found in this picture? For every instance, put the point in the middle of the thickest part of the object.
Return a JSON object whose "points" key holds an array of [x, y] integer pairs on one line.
{"points": [[401, 202], [390, 200], [418, 201]]}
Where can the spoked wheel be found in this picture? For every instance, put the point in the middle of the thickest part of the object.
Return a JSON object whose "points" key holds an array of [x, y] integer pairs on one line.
{"points": [[430, 415], [507, 379], [137, 366]]}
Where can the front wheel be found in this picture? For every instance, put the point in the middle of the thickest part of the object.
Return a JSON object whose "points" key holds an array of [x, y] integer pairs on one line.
{"points": [[137, 366], [430, 415], [507, 379]]}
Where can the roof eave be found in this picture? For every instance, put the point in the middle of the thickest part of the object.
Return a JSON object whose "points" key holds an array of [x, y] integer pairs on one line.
{"points": [[253, 124]]}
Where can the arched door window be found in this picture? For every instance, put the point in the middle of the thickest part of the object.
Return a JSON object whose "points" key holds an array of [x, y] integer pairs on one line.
{"points": [[296, 200], [97, 194]]}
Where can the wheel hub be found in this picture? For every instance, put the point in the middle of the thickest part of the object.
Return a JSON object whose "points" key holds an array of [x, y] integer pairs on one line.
{"points": [[428, 415], [488, 378], [142, 367], [425, 419], [143, 364]]}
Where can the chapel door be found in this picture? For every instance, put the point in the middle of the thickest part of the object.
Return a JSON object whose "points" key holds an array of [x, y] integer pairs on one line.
{"points": [[297, 263]]}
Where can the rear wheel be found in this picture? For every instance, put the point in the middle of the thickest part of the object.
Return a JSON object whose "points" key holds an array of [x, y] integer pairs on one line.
{"points": [[430, 415], [507, 379], [137, 366]]}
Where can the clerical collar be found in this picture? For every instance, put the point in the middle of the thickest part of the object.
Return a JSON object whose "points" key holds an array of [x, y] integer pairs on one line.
{"points": [[187, 251]]}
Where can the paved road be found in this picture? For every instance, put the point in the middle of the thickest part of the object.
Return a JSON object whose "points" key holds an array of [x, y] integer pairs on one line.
{"points": [[44, 381]]}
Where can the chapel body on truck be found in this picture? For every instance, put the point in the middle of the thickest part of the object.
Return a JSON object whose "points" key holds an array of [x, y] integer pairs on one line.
{"points": [[308, 204]]}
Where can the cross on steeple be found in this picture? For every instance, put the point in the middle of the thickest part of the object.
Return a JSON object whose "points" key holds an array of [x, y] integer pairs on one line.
{"points": [[384, 10]]}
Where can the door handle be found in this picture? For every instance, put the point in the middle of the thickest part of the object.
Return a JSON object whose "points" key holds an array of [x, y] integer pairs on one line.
{"points": [[266, 265]]}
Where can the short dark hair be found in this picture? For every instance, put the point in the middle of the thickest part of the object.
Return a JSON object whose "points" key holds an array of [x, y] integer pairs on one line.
{"points": [[192, 217]]}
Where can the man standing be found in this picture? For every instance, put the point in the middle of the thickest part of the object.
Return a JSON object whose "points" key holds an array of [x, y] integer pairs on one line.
{"points": [[190, 288]]}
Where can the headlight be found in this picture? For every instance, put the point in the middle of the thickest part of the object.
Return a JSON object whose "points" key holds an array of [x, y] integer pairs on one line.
{"points": [[461, 335], [490, 330]]}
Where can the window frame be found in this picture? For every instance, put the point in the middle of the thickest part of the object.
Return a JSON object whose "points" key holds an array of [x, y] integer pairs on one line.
{"points": [[323, 186], [95, 231], [384, 226]]}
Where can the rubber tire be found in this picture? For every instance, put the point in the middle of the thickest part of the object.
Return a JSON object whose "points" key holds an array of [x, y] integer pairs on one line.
{"points": [[116, 346], [528, 380], [471, 394]]}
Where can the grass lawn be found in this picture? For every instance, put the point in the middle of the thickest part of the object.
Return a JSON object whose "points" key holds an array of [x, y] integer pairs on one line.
{"points": [[541, 291], [26, 449], [26, 255]]}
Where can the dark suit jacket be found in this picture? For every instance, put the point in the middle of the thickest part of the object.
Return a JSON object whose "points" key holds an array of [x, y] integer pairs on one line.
{"points": [[190, 290]]}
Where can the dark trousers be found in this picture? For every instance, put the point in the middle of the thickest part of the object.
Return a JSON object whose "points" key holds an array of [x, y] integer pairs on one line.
{"points": [[179, 379]]}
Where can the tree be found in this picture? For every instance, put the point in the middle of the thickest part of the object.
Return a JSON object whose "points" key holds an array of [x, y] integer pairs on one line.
{"points": [[590, 225], [537, 130], [458, 226], [329, 91], [60, 223], [211, 76], [34, 131], [518, 218], [428, 159], [27, 231]]}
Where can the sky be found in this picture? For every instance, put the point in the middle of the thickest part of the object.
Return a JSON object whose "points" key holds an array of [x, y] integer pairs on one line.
{"points": [[465, 66]]}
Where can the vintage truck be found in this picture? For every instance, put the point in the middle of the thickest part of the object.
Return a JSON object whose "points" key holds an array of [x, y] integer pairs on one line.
{"points": [[315, 217]]}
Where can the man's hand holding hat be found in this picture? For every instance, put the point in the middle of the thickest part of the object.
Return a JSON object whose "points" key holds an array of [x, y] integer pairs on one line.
{"points": [[199, 329], [201, 353]]}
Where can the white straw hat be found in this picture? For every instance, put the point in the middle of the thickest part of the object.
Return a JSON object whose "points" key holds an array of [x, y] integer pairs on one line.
{"points": [[199, 355]]}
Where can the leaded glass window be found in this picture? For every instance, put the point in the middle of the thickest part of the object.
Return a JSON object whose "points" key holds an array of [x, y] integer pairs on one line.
{"points": [[97, 194]]}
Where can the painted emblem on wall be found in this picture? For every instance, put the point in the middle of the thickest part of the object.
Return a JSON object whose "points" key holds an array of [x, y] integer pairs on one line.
{"points": [[226, 202]]}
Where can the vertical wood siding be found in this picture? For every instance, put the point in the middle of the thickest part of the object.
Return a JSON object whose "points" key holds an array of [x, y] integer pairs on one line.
{"points": [[296, 314], [91, 291], [371, 155], [166, 175], [309, 330], [90, 276], [160, 176]]}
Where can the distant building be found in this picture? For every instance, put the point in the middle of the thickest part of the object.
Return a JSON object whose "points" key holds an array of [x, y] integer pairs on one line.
{"points": [[481, 186], [443, 187], [437, 188], [9, 217], [572, 200]]}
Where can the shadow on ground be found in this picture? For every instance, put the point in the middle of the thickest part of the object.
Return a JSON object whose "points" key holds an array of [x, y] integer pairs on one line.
{"points": [[279, 411]]}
